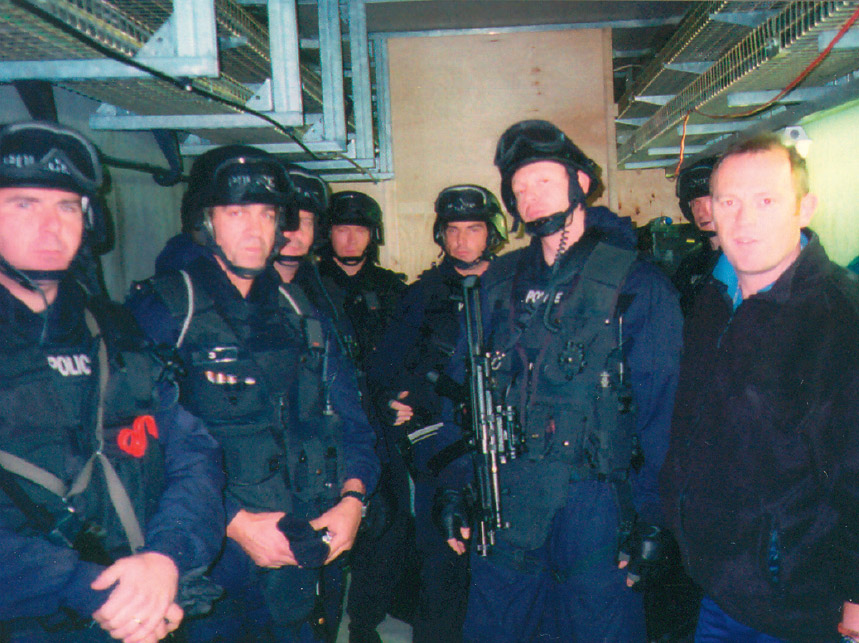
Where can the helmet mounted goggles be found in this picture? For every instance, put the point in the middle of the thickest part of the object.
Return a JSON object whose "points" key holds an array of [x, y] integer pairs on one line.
{"points": [[470, 203], [44, 155]]}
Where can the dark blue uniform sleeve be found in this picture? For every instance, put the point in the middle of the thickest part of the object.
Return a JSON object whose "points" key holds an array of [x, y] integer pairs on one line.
{"points": [[459, 472], [45, 577], [652, 331], [188, 527], [359, 439], [189, 523], [152, 315]]}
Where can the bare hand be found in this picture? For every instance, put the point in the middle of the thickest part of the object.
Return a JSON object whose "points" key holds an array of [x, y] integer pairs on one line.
{"points": [[457, 545], [342, 522], [849, 625], [140, 605], [259, 536], [170, 623], [622, 565], [404, 411]]}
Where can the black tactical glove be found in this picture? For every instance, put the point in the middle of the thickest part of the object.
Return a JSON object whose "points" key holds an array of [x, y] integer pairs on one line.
{"points": [[382, 508], [450, 513], [650, 552], [309, 546], [381, 400], [197, 592]]}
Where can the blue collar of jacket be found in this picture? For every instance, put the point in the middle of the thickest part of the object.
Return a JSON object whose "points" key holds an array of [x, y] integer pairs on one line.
{"points": [[601, 224], [725, 274], [210, 275]]}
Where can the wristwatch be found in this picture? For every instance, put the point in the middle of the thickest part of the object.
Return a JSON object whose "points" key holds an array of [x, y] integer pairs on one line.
{"points": [[362, 498]]}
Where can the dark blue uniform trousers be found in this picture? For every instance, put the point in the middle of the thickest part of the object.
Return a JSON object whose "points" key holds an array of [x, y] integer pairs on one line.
{"points": [[242, 614], [443, 578], [567, 590], [377, 563], [714, 626]]}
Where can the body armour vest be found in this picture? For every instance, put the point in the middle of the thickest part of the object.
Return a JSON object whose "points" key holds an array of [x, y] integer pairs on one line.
{"points": [[560, 364], [260, 385], [438, 333], [369, 299], [308, 278], [49, 396]]}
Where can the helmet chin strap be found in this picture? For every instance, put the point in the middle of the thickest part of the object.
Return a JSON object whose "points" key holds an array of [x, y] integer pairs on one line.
{"points": [[486, 255], [239, 271], [290, 259], [547, 226], [351, 261], [30, 279]]}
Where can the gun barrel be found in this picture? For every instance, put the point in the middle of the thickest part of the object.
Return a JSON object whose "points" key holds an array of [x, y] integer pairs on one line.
{"points": [[491, 424]]}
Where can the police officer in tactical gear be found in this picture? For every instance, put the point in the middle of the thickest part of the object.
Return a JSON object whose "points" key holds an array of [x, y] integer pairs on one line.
{"points": [[297, 262], [109, 490], [693, 193], [416, 348], [350, 253], [369, 295], [585, 338], [263, 369]]}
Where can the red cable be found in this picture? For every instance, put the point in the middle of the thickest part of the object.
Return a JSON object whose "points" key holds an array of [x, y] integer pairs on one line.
{"points": [[682, 145], [796, 81]]}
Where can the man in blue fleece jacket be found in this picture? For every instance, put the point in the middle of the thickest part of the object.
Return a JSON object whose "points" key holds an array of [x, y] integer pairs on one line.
{"points": [[759, 484]]}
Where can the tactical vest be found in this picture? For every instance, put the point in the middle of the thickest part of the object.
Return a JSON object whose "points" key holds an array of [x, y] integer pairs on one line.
{"points": [[266, 404], [438, 334], [49, 399], [561, 366], [440, 328], [368, 301], [311, 283]]}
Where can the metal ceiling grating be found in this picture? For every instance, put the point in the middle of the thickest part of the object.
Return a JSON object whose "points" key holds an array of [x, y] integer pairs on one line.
{"points": [[768, 58], [706, 33], [26, 36]]}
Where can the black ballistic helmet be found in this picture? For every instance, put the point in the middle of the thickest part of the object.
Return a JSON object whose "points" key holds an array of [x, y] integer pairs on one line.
{"points": [[237, 175], [693, 181], [313, 195], [356, 208], [536, 140], [40, 154], [470, 203], [311, 192], [44, 155]]}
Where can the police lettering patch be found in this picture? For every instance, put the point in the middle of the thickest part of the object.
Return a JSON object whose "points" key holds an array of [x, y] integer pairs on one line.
{"points": [[70, 365], [540, 296], [19, 160]]}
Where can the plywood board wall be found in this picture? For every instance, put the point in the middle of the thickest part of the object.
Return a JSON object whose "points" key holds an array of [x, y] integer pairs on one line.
{"points": [[453, 96], [646, 194]]}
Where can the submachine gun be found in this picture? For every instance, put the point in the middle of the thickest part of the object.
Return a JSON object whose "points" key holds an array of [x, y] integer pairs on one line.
{"points": [[496, 434]]}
